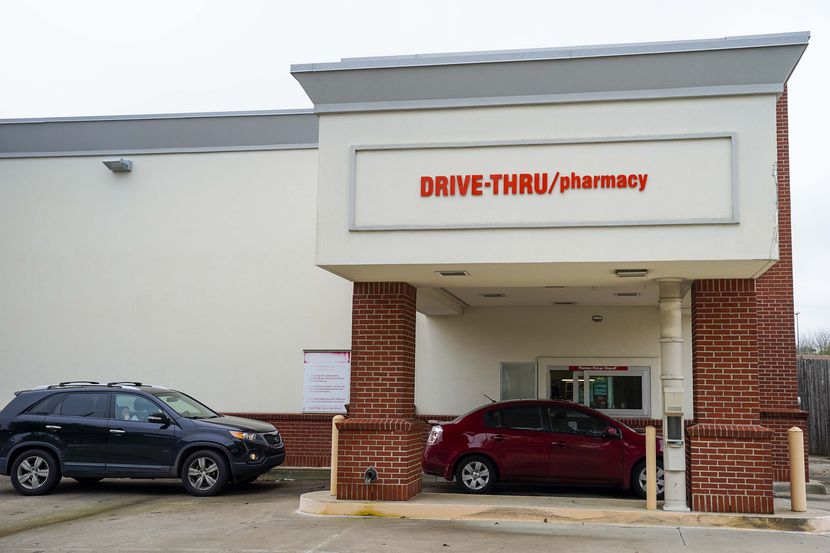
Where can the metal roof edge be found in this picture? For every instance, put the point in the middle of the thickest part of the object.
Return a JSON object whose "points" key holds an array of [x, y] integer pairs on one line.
{"points": [[157, 116], [572, 52]]}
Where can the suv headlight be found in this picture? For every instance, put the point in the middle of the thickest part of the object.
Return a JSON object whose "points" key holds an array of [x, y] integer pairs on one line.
{"points": [[244, 436]]}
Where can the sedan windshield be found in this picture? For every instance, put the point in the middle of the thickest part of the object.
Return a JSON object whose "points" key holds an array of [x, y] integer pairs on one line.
{"points": [[185, 405]]}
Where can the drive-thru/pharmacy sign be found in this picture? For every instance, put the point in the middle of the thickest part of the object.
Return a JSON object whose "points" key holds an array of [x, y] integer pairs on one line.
{"points": [[618, 181], [326, 380]]}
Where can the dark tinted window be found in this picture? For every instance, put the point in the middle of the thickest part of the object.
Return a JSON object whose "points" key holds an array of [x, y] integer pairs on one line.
{"points": [[85, 405], [47, 405], [571, 421], [524, 418]]}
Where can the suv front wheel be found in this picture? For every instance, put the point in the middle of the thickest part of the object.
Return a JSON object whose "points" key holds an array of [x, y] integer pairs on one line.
{"points": [[35, 472], [205, 473]]}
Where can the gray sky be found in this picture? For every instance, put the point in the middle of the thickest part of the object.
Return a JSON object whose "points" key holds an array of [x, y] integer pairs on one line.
{"points": [[114, 57]]}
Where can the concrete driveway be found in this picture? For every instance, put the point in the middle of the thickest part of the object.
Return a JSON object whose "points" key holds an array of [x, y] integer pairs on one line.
{"points": [[142, 516]]}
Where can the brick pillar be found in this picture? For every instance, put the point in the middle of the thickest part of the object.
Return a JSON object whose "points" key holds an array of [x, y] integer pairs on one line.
{"points": [[777, 373], [381, 430], [729, 451]]}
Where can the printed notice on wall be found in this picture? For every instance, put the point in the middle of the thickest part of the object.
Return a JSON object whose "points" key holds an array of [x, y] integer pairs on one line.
{"points": [[326, 378]]}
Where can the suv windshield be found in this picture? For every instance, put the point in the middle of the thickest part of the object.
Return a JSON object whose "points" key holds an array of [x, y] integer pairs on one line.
{"points": [[185, 405]]}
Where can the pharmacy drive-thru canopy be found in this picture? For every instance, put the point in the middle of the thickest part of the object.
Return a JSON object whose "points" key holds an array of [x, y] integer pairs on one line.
{"points": [[655, 173]]}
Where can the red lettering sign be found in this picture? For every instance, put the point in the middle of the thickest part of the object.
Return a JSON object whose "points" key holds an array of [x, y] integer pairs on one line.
{"points": [[526, 184]]}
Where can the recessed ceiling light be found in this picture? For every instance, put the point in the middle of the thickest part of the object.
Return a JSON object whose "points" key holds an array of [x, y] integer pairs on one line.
{"points": [[453, 273], [631, 273], [626, 294], [564, 303], [554, 286], [492, 295]]}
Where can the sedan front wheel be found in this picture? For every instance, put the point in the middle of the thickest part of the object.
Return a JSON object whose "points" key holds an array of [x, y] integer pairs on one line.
{"points": [[476, 474]]}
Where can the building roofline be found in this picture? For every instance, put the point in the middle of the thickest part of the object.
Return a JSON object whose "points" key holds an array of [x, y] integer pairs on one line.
{"points": [[558, 53], [154, 116]]}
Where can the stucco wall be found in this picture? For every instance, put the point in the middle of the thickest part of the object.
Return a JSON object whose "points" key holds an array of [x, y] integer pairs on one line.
{"points": [[458, 357], [194, 271]]}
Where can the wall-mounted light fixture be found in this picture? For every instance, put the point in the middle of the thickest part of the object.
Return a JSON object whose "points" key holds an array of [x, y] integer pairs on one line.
{"points": [[596, 318], [453, 273], [119, 165]]}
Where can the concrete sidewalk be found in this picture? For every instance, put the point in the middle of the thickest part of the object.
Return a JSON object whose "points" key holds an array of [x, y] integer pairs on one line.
{"points": [[571, 510]]}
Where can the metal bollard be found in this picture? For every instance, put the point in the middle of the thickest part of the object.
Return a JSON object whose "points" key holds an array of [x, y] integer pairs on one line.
{"points": [[335, 437], [651, 468], [798, 487]]}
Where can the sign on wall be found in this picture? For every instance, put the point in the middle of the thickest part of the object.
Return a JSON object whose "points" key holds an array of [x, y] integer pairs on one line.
{"points": [[326, 380], [602, 182]]}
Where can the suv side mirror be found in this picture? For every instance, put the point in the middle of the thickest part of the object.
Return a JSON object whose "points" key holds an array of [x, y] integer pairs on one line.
{"points": [[611, 433], [158, 418]]}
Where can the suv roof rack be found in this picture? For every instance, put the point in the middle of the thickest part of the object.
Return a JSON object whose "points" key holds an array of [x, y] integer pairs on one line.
{"points": [[124, 382], [74, 383]]}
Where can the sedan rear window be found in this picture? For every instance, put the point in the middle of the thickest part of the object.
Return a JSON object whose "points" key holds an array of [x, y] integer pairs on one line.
{"points": [[520, 418]]}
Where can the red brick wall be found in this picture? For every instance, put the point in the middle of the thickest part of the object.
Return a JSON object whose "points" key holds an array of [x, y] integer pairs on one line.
{"points": [[394, 447], [729, 469], [382, 430], [729, 465], [777, 374], [724, 352], [383, 350], [307, 436]]}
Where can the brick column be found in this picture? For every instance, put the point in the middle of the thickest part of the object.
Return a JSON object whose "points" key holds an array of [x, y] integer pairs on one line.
{"points": [[729, 452], [777, 372], [381, 431]]}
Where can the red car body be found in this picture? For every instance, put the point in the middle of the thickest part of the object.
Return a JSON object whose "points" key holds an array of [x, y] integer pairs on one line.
{"points": [[573, 444]]}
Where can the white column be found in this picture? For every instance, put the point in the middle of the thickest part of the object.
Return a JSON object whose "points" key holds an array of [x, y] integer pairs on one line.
{"points": [[671, 377]]}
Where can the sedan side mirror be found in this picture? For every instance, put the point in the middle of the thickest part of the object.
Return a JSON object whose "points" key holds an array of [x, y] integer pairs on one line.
{"points": [[611, 433], [158, 418]]}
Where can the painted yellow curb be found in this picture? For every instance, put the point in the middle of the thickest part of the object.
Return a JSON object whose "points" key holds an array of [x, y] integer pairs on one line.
{"points": [[521, 509]]}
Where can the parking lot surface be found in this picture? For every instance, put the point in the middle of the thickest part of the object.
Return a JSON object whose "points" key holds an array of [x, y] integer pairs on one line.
{"points": [[158, 516]]}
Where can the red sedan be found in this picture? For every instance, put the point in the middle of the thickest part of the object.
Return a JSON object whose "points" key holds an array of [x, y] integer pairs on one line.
{"points": [[539, 441]]}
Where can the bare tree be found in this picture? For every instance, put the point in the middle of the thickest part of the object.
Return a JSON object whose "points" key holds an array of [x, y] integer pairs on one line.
{"points": [[815, 343]]}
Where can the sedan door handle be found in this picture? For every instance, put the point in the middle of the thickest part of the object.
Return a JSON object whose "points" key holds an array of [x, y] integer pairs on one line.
{"points": [[117, 431], [52, 427], [498, 437], [559, 443]]}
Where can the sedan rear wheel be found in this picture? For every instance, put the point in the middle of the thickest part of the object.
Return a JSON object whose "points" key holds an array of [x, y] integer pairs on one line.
{"points": [[476, 475]]}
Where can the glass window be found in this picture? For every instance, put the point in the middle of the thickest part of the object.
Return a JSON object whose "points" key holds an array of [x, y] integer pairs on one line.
{"points": [[571, 421], [185, 405], [90, 405], [131, 407], [624, 392], [521, 418], [518, 381], [47, 405]]}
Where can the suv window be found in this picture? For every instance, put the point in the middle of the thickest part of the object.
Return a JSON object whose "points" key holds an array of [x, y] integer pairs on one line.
{"points": [[47, 405], [572, 421], [132, 407], [520, 418], [92, 405]]}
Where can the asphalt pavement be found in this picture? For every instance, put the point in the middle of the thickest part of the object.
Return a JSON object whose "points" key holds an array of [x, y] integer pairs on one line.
{"points": [[158, 516]]}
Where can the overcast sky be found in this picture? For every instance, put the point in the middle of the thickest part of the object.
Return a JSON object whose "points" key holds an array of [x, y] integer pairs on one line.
{"points": [[62, 58]]}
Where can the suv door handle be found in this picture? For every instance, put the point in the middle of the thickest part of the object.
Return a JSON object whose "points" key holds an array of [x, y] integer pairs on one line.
{"points": [[497, 437], [52, 427], [117, 431]]}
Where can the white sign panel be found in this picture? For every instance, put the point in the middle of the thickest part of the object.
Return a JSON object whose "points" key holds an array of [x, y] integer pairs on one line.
{"points": [[326, 380], [613, 182]]}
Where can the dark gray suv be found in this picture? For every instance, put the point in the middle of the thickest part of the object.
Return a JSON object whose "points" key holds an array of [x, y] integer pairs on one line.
{"points": [[90, 431]]}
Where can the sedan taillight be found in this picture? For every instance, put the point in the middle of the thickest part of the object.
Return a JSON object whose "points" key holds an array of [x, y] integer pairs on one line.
{"points": [[435, 435]]}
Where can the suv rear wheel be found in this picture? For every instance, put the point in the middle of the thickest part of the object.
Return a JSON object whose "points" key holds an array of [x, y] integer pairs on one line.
{"points": [[35, 472], [205, 473]]}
